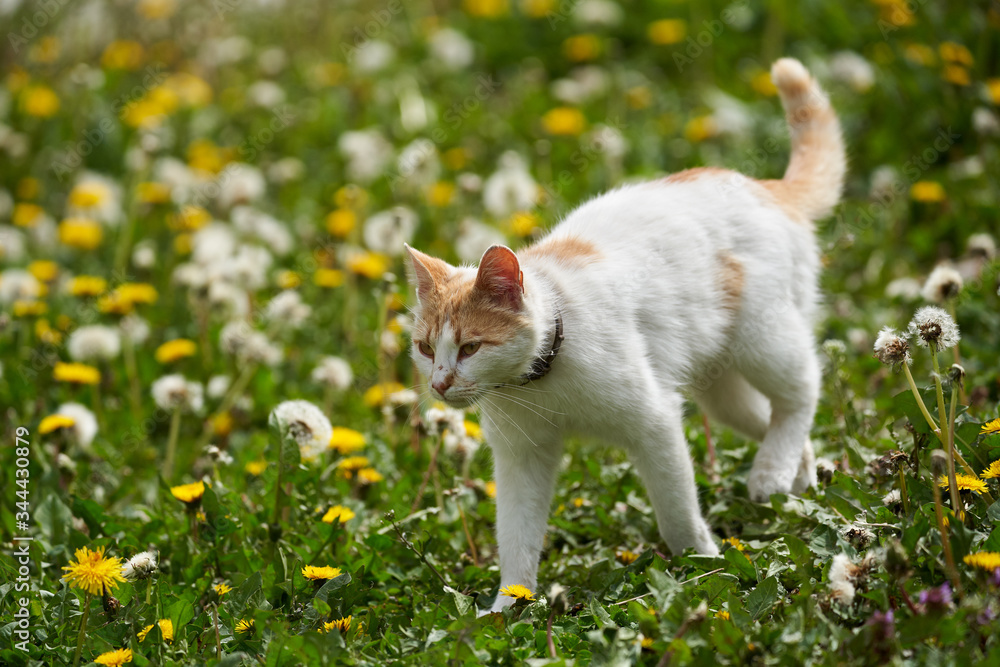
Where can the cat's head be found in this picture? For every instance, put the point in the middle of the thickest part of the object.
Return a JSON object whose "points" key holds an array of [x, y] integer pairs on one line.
{"points": [[472, 330]]}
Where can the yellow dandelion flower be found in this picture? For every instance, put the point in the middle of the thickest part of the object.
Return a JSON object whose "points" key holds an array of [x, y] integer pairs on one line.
{"points": [[491, 489], [992, 472], [927, 192], [76, 373], [346, 440], [627, 557], [993, 90], [81, 233], [735, 543], [88, 286], [580, 48], [965, 483], [376, 396], [763, 84], [440, 194], [172, 350], [985, 560], [338, 513], [44, 270], [341, 222], [26, 214], [320, 573], [54, 423], [990, 427], [29, 308], [92, 572], [245, 627], [646, 643], [46, 333], [166, 630], [667, 31], [182, 244], [699, 129], [371, 265], [156, 9], [191, 90], [485, 9], [369, 476], [288, 279], [151, 192], [89, 194], [123, 54], [518, 592], [455, 158], [920, 54], [473, 430], [956, 53], [351, 196], [222, 423], [523, 223], [353, 463], [342, 624], [39, 101], [144, 632], [256, 468], [125, 297], [564, 121], [328, 278], [189, 493], [114, 658], [204, 155], [189, 219], [724, 615], [222, 589], [46, 51], [957, 75]]}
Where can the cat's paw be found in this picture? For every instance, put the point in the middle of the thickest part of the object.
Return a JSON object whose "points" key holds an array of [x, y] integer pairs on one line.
{"points": [[501, 603], [763, 482], [806, 478]]}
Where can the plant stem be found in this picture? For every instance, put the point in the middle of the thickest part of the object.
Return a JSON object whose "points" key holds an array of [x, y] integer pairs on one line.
{"points": [[949, 559], [235, 389], [945, 434], [902, 491], [920, 401], [149, 590], [132, 371], [279, 481], [83, 628], [175, 429]]}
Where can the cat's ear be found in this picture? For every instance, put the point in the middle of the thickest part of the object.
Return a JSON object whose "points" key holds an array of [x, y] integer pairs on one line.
{"points": [[425, 273], [500, 277]]}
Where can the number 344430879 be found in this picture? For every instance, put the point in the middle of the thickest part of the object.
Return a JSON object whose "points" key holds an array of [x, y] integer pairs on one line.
{"points": [[21, 473]]}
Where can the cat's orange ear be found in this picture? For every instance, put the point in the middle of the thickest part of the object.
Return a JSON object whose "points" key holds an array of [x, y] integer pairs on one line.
{"points": [[426, 273], [500, 277]]}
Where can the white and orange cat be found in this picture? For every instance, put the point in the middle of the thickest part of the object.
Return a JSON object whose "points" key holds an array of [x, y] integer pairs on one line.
{"points": [[702, 283]]}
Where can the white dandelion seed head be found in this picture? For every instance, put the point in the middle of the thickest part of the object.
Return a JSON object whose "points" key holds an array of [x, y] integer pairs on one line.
{"points": [[229, 300], [248, 268], [451, 49], [475, 238], [107, 204], [94, 342], [65, 463], [306, 424], [217, 386], [373, 56], [511, 188], [11, 244], [982, 245], [368, 154], [387, 231], [891, 348], [287, 309], [144, 254], [140, 566], [892, 499], [174, 392], [244, 184], [84, 428], [943, 284], [852, 69], [333, 372], [843, 574], [933, 325], [441, 416], [17, 285], [134, 329], [264, 228]]}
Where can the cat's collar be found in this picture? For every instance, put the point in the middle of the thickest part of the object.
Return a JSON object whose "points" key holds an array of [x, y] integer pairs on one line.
{"points": [[542, 364]]}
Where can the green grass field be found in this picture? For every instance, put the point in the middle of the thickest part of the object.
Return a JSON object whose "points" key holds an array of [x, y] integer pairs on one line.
{"points": [[202, 212]]}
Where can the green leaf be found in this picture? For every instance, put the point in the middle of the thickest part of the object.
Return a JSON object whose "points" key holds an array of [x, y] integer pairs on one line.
{"points": [[463, 603], [333, 585], [743, 566], [762, 598]]}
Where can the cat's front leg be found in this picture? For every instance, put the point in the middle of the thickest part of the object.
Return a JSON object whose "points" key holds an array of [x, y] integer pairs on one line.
{"points": [[525, 473]]}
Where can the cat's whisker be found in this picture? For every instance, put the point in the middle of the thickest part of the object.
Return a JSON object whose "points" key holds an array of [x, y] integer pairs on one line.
{"points": [[521, 400], [497, 429], [518, 426], [527, 406]]}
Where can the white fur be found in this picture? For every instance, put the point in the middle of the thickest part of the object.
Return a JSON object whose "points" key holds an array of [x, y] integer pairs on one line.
{"points": [[645, 323]]}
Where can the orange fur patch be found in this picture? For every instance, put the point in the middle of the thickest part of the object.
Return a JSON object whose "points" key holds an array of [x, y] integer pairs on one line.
{"points": [[568, 250], [694, 174], [471, 312], [789, 196], [731, 279]]}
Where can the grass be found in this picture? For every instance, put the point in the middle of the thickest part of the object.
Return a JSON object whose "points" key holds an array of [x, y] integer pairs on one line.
{"points": [[190, 111]]}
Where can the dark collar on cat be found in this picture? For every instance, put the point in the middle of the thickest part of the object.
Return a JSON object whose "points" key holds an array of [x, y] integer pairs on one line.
{"points": [[542, 364]]}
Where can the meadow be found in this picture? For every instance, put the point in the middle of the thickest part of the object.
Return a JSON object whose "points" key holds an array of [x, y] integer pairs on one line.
{"points": [[215, 449]]}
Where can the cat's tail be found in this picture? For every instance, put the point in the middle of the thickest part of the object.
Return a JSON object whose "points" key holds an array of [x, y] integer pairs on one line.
{"points": [[814, 178]]}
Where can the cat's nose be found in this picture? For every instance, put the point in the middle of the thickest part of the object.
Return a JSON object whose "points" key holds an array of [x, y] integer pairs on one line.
{"points": [[441, 386]]}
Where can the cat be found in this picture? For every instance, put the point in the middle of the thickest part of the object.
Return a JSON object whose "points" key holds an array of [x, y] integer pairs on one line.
{"points": [[701, 283]]}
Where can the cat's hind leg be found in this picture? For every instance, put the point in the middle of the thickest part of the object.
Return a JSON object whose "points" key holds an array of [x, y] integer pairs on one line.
{"points": [[731, 400], [782, 364]]}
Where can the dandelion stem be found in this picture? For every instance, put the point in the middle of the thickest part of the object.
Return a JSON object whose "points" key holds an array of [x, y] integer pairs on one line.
{"points": [[83, 628], [215, 621], [902, 491], [949, 559], [945, 435], [427, 476], [149, 590], [920, 401], [465, 528], [175, 429], [132, 371]]}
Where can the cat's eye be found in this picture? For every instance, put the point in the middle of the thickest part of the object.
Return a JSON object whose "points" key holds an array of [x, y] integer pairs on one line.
{"points": [[468, 350], [425, 349]]}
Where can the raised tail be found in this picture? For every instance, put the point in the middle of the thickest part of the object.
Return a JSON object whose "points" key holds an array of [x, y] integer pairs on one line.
{"points": [[814, 179]]}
